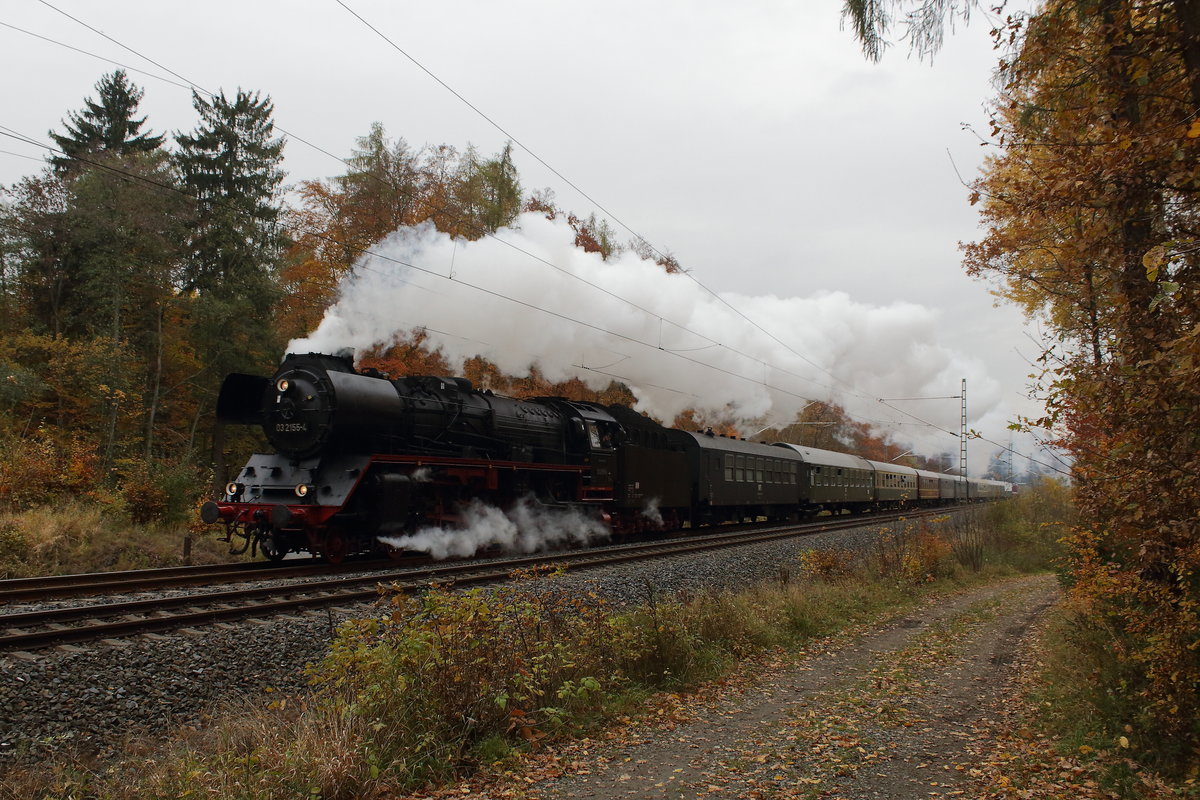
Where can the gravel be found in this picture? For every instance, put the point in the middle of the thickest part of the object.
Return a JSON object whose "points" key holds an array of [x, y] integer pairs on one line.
{"points": [[90, 698]]}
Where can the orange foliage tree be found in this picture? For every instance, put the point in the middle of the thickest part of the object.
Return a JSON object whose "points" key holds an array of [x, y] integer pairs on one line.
{"points": [[1090, 208]]}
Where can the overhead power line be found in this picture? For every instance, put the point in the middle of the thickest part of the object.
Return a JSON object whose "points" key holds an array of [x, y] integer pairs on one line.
{"points": [[189, 84], [845, 386], [11, 133], [598, 205]]}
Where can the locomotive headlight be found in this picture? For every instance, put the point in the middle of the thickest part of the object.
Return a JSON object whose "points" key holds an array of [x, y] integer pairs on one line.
{"points": [[233, 488], [283, 384], [303, 489]]}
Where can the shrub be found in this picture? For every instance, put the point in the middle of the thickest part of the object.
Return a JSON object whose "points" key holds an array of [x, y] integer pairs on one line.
{"points": [[441, 674], [911, 552], [81, 537], [158, 491], [40, 468], [829, 565]]}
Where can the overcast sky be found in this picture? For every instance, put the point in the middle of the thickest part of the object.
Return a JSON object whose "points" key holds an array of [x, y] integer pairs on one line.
{"points": [[751, 140]]}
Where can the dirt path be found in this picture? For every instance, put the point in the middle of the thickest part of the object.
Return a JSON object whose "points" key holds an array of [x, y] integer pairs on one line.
{"points": [[891, 713]]}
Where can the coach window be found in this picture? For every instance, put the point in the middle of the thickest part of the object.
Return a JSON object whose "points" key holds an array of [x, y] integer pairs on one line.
{"points": [[741, 469], [728, 459], [758, 470]]}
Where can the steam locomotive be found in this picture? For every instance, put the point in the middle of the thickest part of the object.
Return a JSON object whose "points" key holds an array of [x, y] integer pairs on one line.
{"points": [[359, 458]]}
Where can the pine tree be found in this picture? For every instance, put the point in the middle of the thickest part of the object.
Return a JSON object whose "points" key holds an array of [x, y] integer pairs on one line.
{"points": [[105, 126], [231, 165]]}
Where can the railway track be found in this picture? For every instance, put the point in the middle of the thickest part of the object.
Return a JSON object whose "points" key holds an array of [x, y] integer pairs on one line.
{"points": [[54, 587], [101, 621]]}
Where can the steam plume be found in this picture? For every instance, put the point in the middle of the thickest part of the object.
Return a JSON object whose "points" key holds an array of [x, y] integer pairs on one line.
{"points": [[525, 528], [685, 350]]}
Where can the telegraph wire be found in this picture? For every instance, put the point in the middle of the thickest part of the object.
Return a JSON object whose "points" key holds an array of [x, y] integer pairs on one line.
{"points": [[846, 386], [11, 133], [6, 131], [468, 223], [94, 55], [598, 205], [22, 155]]}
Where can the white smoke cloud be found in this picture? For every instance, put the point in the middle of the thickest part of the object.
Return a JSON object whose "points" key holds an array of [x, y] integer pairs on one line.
{"points": [[652, 513], [527, 527], [687, 348]]}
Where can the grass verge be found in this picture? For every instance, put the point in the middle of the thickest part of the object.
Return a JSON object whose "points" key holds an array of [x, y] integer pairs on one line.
{"points": [[76, 537], [442, 684], [1069, 734]]}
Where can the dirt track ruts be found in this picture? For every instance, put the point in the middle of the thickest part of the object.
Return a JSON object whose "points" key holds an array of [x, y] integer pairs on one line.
{"points": [[895, 712]]}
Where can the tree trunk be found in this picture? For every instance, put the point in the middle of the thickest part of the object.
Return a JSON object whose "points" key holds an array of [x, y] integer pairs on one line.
{"points": [[220, 478], [1187, 15], [155, 380]]}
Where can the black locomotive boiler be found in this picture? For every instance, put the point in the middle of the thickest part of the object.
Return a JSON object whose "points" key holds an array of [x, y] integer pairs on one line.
{"points": [[359, 457]]}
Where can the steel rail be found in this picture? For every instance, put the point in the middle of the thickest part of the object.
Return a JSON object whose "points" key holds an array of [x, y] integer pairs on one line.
{"points": [[272, 600], [53, 587]]}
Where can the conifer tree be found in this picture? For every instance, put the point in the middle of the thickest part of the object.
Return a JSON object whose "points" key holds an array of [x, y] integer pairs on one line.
{"points": [[106, 125], [231, 165]]}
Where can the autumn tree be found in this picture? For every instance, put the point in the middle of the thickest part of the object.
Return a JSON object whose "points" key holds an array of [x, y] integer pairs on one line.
{"points": [[94, 251], [1091, 223], [127, 237], [489, 192], [388, 185], [95, 260], [34, 227]]}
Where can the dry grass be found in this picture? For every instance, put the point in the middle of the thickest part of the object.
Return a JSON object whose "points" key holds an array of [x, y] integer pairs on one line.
{"points": [[452, 680], [81, 537]]}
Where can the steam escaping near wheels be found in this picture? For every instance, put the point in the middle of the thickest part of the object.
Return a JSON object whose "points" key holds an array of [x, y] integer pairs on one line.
{"points": [[527, 527], [652, 513]]}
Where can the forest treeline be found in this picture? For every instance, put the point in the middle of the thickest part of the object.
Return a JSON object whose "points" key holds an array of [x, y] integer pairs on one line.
{"points": [[137, 269]]}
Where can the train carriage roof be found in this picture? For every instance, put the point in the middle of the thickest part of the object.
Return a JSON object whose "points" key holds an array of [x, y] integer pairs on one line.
{"points": [[898, 469], [709, 441], [941, 476], [826, 458]]}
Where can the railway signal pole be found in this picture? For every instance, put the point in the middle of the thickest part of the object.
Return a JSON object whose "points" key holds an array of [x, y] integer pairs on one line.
{"points": [[962, 434], [962, 421]]}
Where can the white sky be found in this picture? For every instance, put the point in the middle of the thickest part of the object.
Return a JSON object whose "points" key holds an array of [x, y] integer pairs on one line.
{"points": [[752, 140]]}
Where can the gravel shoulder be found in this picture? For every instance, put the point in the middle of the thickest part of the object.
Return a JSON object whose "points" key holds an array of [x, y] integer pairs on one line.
{"points": [[892, 712], [91, 699]]}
